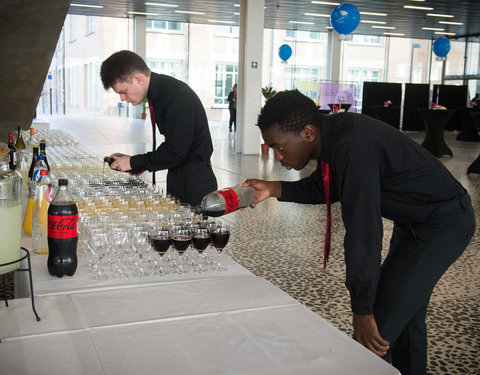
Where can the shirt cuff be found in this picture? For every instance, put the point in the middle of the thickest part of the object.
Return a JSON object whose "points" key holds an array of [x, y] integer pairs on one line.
{"points": [[138, 162]]}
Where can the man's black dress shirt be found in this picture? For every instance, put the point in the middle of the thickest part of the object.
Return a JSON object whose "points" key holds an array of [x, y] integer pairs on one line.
{"points": [[377, 172], [181, 119]]}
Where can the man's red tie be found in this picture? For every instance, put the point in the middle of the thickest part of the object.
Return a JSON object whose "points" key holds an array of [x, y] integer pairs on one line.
{"points": [[154, 133], [327, 177]]}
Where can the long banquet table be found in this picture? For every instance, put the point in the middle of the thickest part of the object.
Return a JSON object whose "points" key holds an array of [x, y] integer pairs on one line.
{"points": [[230, 322]]}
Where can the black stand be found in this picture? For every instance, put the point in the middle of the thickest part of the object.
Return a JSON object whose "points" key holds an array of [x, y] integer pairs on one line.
{"points": [[29, 270]]}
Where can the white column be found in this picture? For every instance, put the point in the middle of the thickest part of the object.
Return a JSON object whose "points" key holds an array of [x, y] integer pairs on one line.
{"points": [[250, 75], [140, 47], [333, 56]]}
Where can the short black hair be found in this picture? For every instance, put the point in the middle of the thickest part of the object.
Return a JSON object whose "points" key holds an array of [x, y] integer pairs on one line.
{"points": [[291, 110], [120, 66]]}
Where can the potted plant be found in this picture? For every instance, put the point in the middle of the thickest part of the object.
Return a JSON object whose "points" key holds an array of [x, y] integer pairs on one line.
{"points": [[144, 109], [267, 92]]}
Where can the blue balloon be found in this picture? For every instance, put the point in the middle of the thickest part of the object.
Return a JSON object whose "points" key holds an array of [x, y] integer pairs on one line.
{"points": [[285, 51], [345, 18], [441, 46]]}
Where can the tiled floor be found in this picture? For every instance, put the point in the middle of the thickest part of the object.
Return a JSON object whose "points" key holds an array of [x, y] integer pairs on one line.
{"points": [[283, 242]]}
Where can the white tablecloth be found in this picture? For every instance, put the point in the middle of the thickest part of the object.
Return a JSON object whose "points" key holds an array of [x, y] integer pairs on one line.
{"points": [[214, 323]]}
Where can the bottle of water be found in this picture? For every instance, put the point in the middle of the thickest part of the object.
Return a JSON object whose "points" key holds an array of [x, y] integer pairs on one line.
{"points": [[222, 202], [41, 201], [39, 166]]}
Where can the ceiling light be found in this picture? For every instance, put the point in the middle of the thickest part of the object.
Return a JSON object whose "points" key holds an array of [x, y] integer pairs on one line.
{"points": [[432, 28], [444, 33], [394, 34], [383, 27], [325, 3], [439, 15], [374, 14], [188, 12], [302, 23], [86, 6], [237, 14], [143, 13], [368, 21], [162, 5], [236, 5], [329, 27], [317, 15], [450, 23], [219, 21], [420, 1], [415, 7]]}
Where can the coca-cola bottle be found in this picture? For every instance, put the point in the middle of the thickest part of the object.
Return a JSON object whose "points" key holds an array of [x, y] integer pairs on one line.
{"points": [[62, 233], [221, 202]]}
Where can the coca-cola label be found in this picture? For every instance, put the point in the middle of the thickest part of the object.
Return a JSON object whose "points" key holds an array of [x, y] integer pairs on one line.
{"points": [[231, 200], [62, 226]]}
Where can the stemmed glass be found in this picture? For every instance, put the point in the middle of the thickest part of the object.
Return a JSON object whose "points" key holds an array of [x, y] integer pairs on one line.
{"points": [[118, 243], [181, 239], [161, 241], [220, 236], [201, 238], [97, 243], [141, 243]]}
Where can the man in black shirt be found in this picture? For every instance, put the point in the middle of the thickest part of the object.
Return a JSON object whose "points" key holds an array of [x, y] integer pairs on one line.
{"points": [[179, 116], [374, 171]]}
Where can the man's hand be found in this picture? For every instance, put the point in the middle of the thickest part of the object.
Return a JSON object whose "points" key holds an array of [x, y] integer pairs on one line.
{"points": [[265, 189], [365, 331], [121, 163]]}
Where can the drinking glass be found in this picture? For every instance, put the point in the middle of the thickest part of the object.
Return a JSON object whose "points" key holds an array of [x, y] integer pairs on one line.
{"points": [[201, 238], [181, 240], [97, 243], [220, 236], [161, 241]]}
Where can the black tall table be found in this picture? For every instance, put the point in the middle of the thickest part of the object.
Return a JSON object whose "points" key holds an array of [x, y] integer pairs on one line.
{"points": [[345, 106], [475, 166], [468, 132], [435, 121], [389, 115]]}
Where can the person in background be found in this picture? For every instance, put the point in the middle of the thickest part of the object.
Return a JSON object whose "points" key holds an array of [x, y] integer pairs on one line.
{"points": [[375, 172], [232, 107], [180, 118]]}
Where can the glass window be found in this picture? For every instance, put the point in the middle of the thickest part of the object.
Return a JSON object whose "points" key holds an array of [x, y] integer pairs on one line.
{"points": [[225, 77], [173, 68], [90, 25], [73, 29], [366, 39], [154, 25], [225, 30], [300, 73], [92, 85], [302, 35], [358, 76]]}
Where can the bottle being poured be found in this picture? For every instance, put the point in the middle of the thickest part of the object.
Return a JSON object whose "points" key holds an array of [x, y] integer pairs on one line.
{"points": [[222, 202]]}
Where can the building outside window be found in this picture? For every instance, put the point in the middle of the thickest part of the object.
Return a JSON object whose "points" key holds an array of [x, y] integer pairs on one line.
{"points": [[73, 29], [226, 75], [92, 85], [89, 25], [358, 76], [304, 36], [161, 26], [168, 67], [300, 73], [226, 30], [367, 39]]}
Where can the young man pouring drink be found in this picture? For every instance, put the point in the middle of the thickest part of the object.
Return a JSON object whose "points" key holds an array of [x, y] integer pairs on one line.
{"points": [[375, 172]]}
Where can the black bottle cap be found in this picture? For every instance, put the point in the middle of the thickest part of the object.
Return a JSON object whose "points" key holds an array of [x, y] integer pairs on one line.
{"points": [[62, 182]]}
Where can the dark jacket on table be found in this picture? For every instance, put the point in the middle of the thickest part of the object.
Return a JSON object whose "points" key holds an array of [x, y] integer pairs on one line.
{"points": [[181, 119], [377, 172]]}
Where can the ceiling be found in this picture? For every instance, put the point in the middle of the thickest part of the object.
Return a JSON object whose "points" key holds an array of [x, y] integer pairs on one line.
{"points": [[279, 13]]}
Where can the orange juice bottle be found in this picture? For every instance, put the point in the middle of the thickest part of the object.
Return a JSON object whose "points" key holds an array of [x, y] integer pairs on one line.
{"points": [[27, 218]]}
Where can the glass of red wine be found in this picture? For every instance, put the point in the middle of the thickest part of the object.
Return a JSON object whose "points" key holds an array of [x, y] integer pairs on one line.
{"points": [[201, 238], [220, 236], [161, 241], [181, 240]]}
